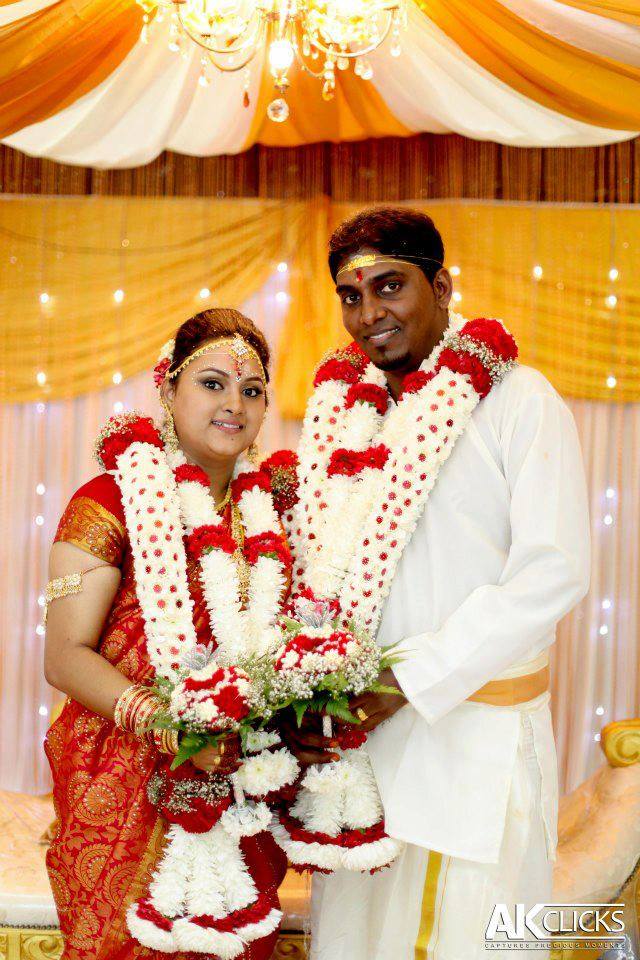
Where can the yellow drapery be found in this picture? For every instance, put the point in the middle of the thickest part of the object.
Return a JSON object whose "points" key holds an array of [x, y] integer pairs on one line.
{"points": [[577, 83], [49, 59], [627, 11], [72, 250]]}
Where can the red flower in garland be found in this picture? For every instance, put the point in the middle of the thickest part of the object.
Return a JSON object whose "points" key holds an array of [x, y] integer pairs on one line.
{"points": [[282, 468], [146, 911], [267, 545], [118, 435], [239, 918], [336, 370], [493, 335], [194, 685], [249, 481], [468, 365], [209, 537], [367, 393], [189, 471], [350, 738], [414, 382], [348, 463]]}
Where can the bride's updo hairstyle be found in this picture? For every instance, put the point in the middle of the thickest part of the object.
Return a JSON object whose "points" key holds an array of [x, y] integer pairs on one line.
{"points": [[214, 324]]}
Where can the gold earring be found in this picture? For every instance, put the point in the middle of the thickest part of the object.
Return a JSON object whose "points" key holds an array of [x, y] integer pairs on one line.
{"points": [[169, 434]]}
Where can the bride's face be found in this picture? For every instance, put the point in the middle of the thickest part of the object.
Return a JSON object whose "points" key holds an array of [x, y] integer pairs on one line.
{"points": [[218, 406]]}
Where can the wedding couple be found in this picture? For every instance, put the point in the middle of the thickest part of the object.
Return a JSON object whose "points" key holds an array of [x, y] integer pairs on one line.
{"points": [[456, 528]]}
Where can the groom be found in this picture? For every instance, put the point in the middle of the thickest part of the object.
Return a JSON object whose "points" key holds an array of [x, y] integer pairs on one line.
{"points": [[464, 756]]}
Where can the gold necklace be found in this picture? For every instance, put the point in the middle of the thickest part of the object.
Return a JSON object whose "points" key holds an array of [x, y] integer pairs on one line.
{"points": [[242, 567], [219, 507]]}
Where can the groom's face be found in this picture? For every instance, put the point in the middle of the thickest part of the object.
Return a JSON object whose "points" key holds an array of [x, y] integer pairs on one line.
{"points": [[393, 312]]}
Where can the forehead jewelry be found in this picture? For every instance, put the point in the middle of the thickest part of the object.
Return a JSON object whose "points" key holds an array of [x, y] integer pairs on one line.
{"points": [[240, 352], [368, 259]]}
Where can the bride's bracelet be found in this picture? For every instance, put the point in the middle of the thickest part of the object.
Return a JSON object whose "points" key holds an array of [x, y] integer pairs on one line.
{"points": [[134, 712]]}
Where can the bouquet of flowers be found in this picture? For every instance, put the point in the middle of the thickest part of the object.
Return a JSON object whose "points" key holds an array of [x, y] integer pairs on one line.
{"points": [[336, 820], [202, 897]]}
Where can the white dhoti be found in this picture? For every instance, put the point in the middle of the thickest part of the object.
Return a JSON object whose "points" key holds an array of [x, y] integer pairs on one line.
{"points": [[428, 906]]}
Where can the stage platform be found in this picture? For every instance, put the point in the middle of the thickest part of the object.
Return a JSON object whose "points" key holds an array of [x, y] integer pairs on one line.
{"points": [[28, 920]]}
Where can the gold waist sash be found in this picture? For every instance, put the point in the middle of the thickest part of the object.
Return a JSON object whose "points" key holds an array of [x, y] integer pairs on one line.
{"points": [[507, 693]]}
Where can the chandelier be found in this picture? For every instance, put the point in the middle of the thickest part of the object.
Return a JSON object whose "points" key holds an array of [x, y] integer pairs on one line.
{"points": [[322, 36]]}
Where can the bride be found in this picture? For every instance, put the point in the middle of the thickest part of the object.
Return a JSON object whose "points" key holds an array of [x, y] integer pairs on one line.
{"points": [[100, 651]]}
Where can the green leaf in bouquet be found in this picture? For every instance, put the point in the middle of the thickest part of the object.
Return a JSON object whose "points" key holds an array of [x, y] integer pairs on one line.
{"points": [[191, 744], [385, 688], [339, 709], [291, 625], [300, 707]]}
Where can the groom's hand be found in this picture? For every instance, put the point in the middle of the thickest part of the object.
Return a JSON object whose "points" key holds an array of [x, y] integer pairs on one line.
{"points": [[373, 708], [306, 741]]}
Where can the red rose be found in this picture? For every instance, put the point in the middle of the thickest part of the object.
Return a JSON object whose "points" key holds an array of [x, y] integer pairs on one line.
{"points": [[190, 472], [282, 469], [368, 393], [267, 545], [493, 335], [230, 702], [209, 537], [469, 366], [350, 738], [250, 481], [414, 382], [120, 433]]}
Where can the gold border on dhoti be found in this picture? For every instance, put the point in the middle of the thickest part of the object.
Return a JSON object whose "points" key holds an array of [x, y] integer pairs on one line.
{"points": [[508, 693]]}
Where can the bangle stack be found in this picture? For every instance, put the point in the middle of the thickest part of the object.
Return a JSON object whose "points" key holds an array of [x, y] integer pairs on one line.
{"points": [[134, 713]]}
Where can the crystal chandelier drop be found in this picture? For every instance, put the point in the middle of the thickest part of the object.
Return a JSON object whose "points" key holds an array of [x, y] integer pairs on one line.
{"points": [[322, 36]]}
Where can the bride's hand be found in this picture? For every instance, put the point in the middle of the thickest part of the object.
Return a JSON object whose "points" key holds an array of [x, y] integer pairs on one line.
{"points": [[223, 759], [306, 742]]}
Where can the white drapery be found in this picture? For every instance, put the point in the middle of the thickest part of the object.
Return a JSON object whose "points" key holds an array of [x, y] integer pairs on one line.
{"points": [[153, 100]]}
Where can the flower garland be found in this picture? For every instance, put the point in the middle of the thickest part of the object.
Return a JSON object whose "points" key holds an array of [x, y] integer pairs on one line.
{"points": [[202, 897], [358, 507]]}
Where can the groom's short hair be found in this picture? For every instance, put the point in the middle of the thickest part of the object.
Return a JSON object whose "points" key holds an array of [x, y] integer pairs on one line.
{"points": [[397, 231]]}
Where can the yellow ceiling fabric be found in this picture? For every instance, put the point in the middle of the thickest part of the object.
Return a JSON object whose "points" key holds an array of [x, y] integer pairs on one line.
{"points": [[575, 323], [627, 11], [51, 58], [357, 111], [564, 78]]}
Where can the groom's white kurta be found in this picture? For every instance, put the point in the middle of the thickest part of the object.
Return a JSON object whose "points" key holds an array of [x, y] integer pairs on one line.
{"points": [[500, 554]]}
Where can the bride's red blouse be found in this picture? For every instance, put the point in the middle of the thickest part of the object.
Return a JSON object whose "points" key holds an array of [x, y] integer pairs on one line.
{"points": [[108, 836]]}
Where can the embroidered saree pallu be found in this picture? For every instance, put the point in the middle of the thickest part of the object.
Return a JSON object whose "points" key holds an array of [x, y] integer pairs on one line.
{"points": [[366, 469]]}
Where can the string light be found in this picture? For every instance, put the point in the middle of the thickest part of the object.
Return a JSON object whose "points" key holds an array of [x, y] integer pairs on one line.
{"points": [[611, 301], [454, 271], [604, 630], [118, 407], [457, 296], [609, 493], [44, 297], [608, 519], [39, 520], [204, 293], [599, 711], [43, 711], [283, 267], [596, 737], [117, 378], [41, 600], [40, 630], [613, 274], [40, 407], [606, 604], [537, 272], [611, 381], [41, 489], [118, 295], [281, 296], [41, 377]]}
